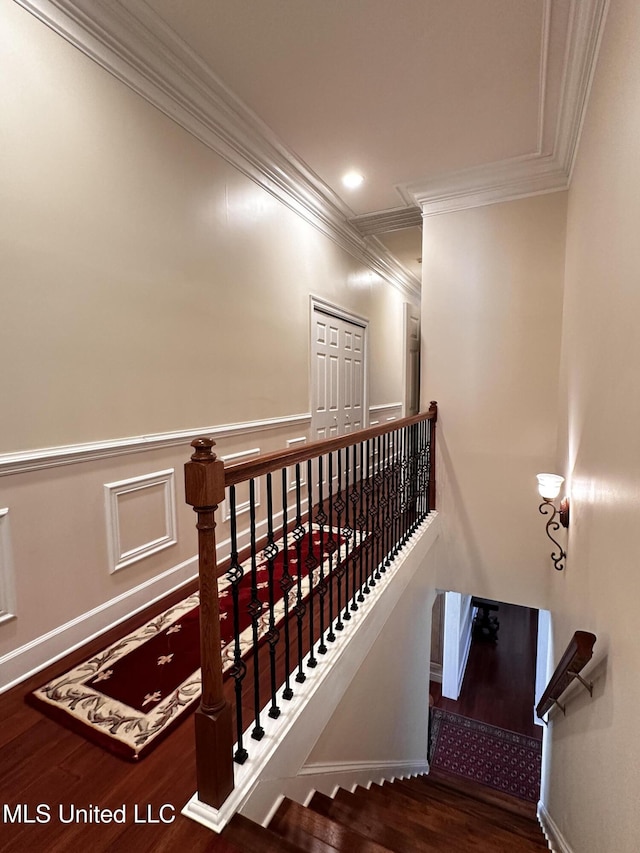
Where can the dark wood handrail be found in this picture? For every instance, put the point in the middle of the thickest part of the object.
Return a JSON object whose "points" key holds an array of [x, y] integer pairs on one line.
{"points": [[270, 462], [576, 656]]}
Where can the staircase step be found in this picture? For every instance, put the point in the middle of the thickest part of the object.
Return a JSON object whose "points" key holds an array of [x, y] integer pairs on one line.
{"points": [[447, 800], [249, 837], [457, 834], [474, 805], [371, 824], [308, 829], [482, 792], [444, 819]]}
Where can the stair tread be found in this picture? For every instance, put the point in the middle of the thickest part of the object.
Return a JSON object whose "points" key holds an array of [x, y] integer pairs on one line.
{"points": [[372, 828], [447, 798], [479, 797], [306, 827], [444, 818], [460, 835], [250, 837], [477, 810], [481, 793], [402, 834]]}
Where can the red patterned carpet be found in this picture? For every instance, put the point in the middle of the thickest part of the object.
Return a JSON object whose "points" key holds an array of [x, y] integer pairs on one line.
{"points": [[132, 694], [498, 758]]}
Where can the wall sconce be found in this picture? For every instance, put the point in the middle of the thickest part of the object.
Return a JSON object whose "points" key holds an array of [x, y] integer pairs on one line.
{"points": [[549, 488]]}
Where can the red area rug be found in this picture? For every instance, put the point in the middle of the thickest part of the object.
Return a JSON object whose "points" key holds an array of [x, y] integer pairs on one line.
{"points": [[130, 696], [500, 759]]}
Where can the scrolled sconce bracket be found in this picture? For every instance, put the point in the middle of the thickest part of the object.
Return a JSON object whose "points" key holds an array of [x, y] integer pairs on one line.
{"points": [[545, 508]]}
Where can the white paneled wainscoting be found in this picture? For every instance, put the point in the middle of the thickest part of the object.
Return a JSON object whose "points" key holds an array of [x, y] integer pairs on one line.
{"points": [[100, 531]]}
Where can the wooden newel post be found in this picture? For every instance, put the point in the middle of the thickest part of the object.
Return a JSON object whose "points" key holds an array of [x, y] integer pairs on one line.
{"points": [[433, 407], [204, 490]]}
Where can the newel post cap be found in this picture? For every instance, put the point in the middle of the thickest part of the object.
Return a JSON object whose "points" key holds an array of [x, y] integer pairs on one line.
{"points": [[204, 475]]}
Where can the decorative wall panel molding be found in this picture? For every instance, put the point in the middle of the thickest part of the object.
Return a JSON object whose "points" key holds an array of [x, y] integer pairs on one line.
{"points": [[7, 585], [52, 457], [384, 413], [130, 40], [297, 442], [115, 495]]}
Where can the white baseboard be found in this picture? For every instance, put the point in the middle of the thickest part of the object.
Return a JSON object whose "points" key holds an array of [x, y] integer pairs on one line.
{"points": [[21, 663], [465, 654], [435, 672], [557, 842]]}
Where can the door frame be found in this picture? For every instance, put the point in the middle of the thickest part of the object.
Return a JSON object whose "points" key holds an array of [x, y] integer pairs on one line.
{"points": [[317, 303], [410, 310]]}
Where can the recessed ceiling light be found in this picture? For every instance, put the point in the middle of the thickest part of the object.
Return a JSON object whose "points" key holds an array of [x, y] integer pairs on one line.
{"points": [[352, 180]]}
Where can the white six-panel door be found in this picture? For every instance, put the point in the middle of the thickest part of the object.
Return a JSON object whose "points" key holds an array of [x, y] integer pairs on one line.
{"points": [[337, 353]]}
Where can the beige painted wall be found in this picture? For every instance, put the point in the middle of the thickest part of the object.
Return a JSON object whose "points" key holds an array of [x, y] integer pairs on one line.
{"points": [[384, 713], [491, 317], [147, 286], [595, 760], [139, 268]]}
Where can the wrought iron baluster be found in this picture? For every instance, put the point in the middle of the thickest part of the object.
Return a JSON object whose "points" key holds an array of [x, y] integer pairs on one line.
{"points": [[273, 634], [410, 484], [387, 520], [255, 609], [365, 539], [415, 491], [286, 583], [420, 477], [321, 521], [413, 480], [348, 533], [238, 669], [403, 488], [397, 491], [422, 470], [377, 509], [429, 463], [339, 506], [311, 562], [331, 553], [298, 535], [354, 497]]}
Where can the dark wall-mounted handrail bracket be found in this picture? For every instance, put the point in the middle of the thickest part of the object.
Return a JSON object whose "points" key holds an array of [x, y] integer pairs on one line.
{"points": [[576, 656]]}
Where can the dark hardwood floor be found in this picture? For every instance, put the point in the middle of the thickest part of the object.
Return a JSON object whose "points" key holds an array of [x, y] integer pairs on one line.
{"points": [[499, 682], [44, 764]]}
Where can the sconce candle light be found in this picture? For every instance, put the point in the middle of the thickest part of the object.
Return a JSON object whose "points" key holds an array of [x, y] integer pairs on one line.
{"points": [[549, 486]]}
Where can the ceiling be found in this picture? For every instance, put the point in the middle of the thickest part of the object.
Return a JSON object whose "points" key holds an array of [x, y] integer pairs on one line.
{"points": [[440, 104], [398, 89]]}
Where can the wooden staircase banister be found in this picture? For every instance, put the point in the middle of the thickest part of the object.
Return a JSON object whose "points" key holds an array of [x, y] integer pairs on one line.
{"points": [[400, 473], [270, 462], [576, 656]]}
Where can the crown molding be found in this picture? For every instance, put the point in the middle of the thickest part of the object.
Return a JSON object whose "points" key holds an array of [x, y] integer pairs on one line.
{"points": [[126, 38], [131, 42], [494, 182], [383, 221], [539, 172]]}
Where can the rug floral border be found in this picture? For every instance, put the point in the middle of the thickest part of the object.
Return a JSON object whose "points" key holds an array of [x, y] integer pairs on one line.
{"points": [[117, 726]]}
